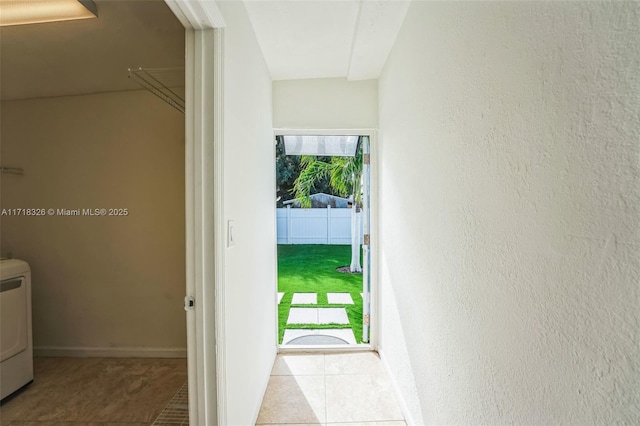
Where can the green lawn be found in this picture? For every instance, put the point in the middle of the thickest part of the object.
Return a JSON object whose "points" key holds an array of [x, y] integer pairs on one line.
{"points": [[311, 268]]}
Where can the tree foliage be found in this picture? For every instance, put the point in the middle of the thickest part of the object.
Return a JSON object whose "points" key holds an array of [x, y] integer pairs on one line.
{"points": [[344, 175], [287, 171], [288, 168], [345, 179]]}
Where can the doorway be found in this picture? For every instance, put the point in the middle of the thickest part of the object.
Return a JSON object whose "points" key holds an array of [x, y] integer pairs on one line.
{"points": [[323, 202], [106, 162]]}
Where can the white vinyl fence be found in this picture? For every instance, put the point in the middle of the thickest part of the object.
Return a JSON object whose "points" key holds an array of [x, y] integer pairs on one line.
{"points": [[314, 226]]}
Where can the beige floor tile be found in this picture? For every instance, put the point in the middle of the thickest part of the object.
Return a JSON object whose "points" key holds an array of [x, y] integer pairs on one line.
{"points": [[353, 363], [298, 364], [30, 423], [361, 398], [351, 397], [290, 399], [98, 390], [394, 423], [290, 424]]}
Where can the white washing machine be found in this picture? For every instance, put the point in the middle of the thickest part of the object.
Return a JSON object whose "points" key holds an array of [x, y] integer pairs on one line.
{"points": [[16, 342]]}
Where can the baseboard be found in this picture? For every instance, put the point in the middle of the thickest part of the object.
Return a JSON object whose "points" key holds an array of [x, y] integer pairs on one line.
{"points": [[116, 352], [408, 418]]}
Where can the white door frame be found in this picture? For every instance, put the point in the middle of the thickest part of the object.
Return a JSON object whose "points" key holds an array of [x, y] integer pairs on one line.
{"points": [[204, 55], [373, 229]]}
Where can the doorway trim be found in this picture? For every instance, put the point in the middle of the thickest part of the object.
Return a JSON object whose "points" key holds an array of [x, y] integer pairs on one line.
{"points": [[373, 217], [204, 164]]}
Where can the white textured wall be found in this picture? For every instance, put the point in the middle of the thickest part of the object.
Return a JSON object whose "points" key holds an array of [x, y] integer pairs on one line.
{"points": [[510, 171], [325, 103], [250, 277], [99, 282]]}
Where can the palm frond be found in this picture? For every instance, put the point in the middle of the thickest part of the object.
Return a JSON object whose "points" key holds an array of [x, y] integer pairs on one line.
{"points": [[344, 175], [313, 171]]}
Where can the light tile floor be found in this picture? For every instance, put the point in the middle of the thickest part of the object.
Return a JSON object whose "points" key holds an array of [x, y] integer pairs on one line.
{"points": [[330, 389], [95, 391]]}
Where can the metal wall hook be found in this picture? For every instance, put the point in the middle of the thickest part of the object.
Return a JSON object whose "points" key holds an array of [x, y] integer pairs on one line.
{"points": [[11, 170]]}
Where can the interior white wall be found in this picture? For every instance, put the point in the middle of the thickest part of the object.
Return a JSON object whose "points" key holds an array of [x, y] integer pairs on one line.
{"points": [[325, 103], [249, 188], [510, 198], [111, 285]]}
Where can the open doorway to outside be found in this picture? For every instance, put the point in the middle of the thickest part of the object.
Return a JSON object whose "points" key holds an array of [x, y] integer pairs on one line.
{"points": [[323, 237]]}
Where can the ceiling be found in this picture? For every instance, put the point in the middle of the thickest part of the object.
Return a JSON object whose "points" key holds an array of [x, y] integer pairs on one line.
{"points": [[299, 39], [326, 38], [89, 55]]}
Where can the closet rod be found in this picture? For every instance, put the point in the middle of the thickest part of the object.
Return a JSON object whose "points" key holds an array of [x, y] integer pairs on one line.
{"points": [[153, 84]]}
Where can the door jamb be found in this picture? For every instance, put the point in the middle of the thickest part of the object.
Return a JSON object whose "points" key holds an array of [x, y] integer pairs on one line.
{"points": [[204, 133], [374, 330]]}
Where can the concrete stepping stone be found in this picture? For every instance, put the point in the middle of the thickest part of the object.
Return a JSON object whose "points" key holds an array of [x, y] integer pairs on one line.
{"points": [[332, 316], [345, 334], [318, 316], [339, 299], [305, 299], [280, 296], [303, 316]]}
